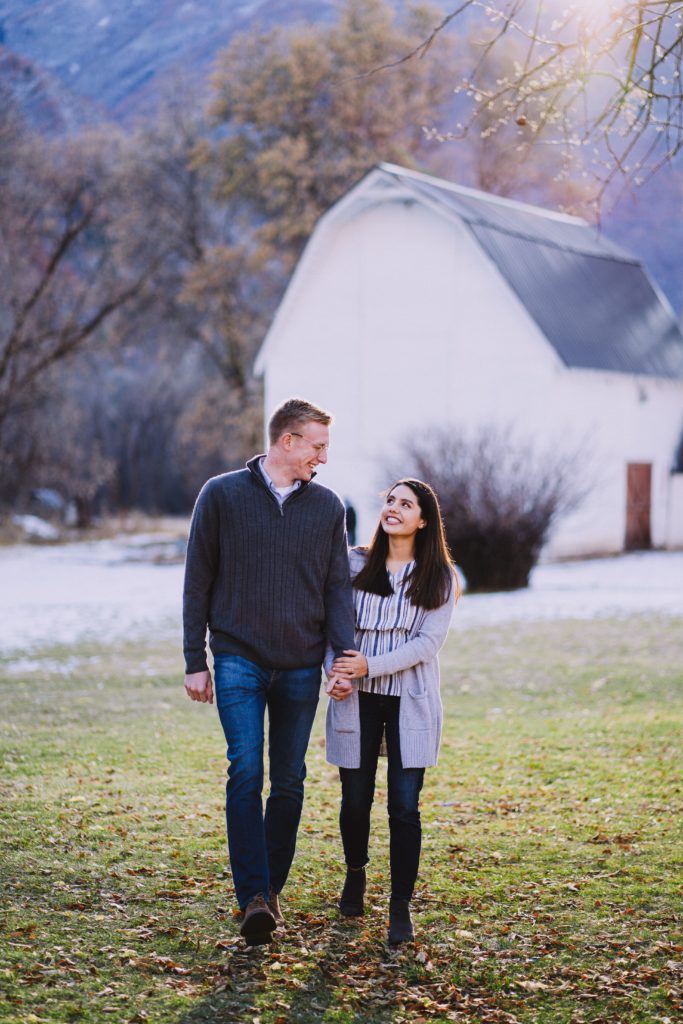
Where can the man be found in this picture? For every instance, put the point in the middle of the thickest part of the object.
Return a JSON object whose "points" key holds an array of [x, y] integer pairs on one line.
{"points": [[267, 571]]}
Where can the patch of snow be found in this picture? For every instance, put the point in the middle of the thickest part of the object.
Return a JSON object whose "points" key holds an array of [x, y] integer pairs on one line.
{"points": [[102, 591], [85, 592], [644, 582], [34, 526]]}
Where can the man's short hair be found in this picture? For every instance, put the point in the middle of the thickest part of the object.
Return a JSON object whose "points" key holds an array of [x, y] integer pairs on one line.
{"points": [[293, 413]]}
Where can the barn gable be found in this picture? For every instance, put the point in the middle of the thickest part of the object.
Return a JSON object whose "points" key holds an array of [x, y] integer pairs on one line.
{"points": [[593, 302]]}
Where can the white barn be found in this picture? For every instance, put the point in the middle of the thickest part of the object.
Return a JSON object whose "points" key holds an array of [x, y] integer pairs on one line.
{"points": [[418, 302]]}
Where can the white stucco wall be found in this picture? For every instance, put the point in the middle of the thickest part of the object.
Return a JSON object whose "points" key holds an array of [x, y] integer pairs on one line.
{"points": [[674, 534], [400, 321]]}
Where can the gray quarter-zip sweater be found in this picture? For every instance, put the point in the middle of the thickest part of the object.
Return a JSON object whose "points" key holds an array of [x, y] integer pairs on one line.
{"points": [[271, 581]]}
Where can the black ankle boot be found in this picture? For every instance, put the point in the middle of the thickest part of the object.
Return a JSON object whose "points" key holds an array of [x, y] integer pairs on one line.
{"points": [[351, 902], [400, 922]]}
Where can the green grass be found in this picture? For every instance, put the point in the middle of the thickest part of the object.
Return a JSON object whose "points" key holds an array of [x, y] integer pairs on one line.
{"points": [[550, 886]]}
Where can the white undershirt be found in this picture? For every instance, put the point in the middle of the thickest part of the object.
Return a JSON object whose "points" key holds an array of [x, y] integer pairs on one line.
{"points": [[280, 492]]}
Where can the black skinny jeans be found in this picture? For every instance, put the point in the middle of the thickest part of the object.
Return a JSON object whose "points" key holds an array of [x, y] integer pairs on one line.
{"points": [[378, 716]]}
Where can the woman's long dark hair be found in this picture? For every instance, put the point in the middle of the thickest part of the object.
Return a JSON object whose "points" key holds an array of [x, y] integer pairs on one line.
{"points": [[434, 574]]}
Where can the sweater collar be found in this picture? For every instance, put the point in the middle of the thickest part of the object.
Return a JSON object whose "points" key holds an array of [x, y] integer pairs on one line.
{"points": [[254, 467]]}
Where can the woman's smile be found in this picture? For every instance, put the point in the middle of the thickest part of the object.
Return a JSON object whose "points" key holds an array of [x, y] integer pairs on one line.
{"points": [[401, 509]]}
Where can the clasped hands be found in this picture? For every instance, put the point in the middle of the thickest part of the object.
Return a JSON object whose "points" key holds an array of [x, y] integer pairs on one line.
{"points": [[351, 665]]}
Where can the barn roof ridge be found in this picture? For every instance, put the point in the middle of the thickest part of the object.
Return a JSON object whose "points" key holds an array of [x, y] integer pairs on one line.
{"points": [[594, 302], [488, 197], [586, 238]]}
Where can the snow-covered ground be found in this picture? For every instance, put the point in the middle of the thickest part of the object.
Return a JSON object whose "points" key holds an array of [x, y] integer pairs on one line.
{"points": [[110, 590], [649, 582], [101, 591]]}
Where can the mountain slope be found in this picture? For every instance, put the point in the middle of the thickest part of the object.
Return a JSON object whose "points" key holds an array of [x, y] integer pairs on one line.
{"points": [[71, 62], [45, 104], [115, 52]]}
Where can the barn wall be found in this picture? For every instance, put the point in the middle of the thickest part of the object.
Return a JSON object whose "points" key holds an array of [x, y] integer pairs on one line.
{"points": [[674, 533], [402, 322]]}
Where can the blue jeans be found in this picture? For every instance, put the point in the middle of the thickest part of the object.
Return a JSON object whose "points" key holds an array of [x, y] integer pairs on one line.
{"points": [[378, 716], [262, 846]]}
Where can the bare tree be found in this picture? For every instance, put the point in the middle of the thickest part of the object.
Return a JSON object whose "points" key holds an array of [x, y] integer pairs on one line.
{"points": [[503, 160], [212, 288], [63, 226], [299, 126], [119, 266], [500, 498], [604, 78], [55, 443]]}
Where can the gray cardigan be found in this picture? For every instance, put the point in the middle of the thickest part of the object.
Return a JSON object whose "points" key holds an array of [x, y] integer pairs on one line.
{"points": [[420, 713]]}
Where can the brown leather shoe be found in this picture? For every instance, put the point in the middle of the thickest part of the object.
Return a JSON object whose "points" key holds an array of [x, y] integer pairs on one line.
{"points": [[259, 922], [274, 904]]}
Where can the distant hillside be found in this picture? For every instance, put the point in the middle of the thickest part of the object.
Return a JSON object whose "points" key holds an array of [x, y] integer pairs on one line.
{"points": [[44, 102], [118, 52], [70, 62]]}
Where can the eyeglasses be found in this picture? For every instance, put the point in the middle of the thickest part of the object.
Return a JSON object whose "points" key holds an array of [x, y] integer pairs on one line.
{"points": [[318, 448]]}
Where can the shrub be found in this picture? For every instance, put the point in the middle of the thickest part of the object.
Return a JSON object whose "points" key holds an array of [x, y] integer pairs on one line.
{"points": [[500, 498]]}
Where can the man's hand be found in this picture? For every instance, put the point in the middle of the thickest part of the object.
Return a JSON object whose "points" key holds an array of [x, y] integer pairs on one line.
{"points": [[352, 664], [198, 686], [338, 687]]}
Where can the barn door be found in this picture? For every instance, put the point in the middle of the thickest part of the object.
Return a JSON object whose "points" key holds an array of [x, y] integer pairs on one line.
{"points": [[638, 490]]}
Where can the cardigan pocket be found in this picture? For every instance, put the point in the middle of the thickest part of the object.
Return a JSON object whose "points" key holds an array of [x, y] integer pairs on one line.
{"points": [[345, 715], [416, 688], [419, 719], [418, 710]]}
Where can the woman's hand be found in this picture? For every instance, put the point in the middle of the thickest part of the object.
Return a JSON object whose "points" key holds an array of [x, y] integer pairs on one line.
{"points": [[352, 664]]}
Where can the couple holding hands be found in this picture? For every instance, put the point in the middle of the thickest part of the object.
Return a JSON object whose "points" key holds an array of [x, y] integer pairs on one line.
{"points": [[268, 571]]}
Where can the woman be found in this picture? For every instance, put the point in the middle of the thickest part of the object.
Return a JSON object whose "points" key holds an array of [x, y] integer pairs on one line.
{"points": [[405, 589]]}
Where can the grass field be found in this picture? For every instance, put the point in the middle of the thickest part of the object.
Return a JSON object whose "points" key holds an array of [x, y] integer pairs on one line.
{"points": [[551, 887]]}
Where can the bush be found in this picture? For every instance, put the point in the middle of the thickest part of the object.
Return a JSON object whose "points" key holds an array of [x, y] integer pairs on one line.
{"points": [[500, 498]]}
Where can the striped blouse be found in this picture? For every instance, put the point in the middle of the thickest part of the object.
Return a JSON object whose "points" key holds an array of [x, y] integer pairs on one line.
{"points": [[382, 624]]}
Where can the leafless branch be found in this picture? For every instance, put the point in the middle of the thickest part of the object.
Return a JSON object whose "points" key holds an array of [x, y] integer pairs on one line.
{"points": [[613, 72]]}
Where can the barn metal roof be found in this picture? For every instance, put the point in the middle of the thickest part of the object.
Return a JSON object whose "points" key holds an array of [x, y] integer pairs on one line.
{"points": [[594, 302]]}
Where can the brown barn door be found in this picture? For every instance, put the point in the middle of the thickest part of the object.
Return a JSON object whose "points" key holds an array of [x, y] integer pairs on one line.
{"points": [[638, 491]]}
